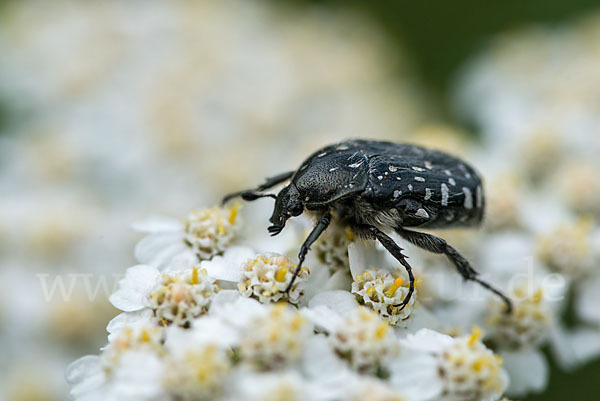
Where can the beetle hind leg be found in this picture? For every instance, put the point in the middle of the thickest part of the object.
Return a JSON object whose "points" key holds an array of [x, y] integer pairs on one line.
{"points": [[254, 194], [439, 245]]}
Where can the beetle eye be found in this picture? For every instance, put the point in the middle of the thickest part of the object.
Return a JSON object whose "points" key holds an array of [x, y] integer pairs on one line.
{"points": [[295, 209]]}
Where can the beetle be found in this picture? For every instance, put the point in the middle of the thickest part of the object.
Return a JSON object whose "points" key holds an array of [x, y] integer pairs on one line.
{"points": [[376, 187]]}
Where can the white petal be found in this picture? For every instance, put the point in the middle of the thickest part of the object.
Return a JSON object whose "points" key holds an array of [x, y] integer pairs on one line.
{"points": [[323, 317], [338, 301], [134, 287], [320, 362], [588, 301], [138, 376], [585, 344], [527, 369], [415, 375], [228, 266], [127, 319], [427, 340], [157, 223], [85, 375], [158, 249], [364, 254]]}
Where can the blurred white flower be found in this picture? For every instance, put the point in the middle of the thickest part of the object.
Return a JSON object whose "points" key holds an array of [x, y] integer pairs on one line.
{"points": [[434, 366], [204, 234]]}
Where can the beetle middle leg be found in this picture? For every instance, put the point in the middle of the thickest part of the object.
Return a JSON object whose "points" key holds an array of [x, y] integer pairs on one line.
{"points": [[439, 245], [312, 237], [393, 248], [254, 194]]}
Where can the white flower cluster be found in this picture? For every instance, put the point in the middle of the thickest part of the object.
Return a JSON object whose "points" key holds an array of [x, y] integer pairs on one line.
{"points": [[223, 328], [535, 94]]}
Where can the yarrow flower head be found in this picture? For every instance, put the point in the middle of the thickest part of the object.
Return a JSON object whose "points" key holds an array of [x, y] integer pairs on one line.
{"points": [[175, 244], [455, 369], [332, 247], [470, 370], [199, 374], [384, 292], [568, 248], [174, 297], [267, 276], [276, 339], [210, 231], [365, 340], [528, 325], [180, 297], [140, 337]]}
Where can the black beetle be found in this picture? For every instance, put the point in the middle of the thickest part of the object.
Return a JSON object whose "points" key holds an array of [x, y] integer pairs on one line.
{"points": [[375, 186]]}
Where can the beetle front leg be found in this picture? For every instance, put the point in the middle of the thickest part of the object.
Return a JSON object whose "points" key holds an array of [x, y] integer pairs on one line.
{"points": [[439, 245], [312, 237], [254, 194]]}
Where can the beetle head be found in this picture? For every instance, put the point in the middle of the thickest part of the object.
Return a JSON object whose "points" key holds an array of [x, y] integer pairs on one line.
{"points": [[287, 204]]}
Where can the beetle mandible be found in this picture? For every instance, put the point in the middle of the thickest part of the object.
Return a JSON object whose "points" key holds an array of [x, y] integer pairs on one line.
{"points": [[376, 187]]}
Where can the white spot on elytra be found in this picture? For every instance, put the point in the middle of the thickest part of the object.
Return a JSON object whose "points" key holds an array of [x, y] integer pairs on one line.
{"points": [[398, 178], [428, 165], [464, 169], [451, 181], [420, 179], [397, 193], [333, 169], [410, 187], [444, 195], [428, 193], [380, 177], [468, 198], [356, 165], [321, 154], [393, 168], [422, 213], [342, 147], [417, 168], [386, 173], [479, 197], [447, 172]]}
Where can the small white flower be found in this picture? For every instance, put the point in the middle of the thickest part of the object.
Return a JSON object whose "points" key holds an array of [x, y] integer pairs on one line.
{"points": [[275, 386], [275, 340], [568, 249], [210, 231], [267, 276], [365, 341], [331, 248], [199, 374], [174, 297], [435, 366], [383, 290], [527, 326], [202, 235], [180, 297], [143, 337]]}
